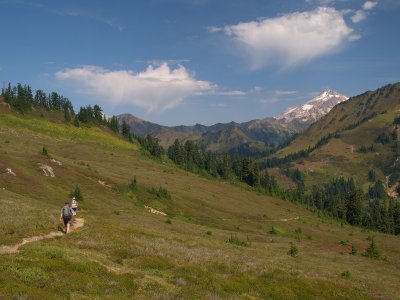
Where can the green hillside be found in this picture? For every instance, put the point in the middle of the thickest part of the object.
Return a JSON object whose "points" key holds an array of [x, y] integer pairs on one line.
{"points": [[362, 137], [349, 115], [218, 240]]}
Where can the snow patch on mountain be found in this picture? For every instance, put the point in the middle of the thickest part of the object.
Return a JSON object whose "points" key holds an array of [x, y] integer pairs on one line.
{"points": [[314, 109], [307, 106]]}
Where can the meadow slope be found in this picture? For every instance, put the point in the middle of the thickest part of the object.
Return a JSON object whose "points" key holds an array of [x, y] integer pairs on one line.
{"points": [[126, 252]]}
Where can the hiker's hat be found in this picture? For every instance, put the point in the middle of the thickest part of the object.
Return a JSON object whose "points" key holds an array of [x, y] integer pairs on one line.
{"points": [[73, 198]]}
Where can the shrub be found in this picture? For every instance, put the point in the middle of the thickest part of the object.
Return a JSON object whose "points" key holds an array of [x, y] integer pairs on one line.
{"points": [[346, 274], [273, 230], [372, 251], [353, 250], [293, 251], [298, 233], [236, 241], [168, 221], [209, 232], [383, 138], [160, 193], [44, 151], [132, 185]]}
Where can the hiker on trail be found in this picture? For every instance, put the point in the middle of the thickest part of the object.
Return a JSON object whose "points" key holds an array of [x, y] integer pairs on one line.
{"points": [[66, 216], [74, 205]]}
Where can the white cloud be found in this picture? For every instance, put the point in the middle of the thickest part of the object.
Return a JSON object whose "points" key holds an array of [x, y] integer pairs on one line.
{"points": [[359, 16], [156, 89], [268, 101], [214, 29], [284, 93], [159, 62], [231, 93], [321, 2], [369, 5], [291, 39], [256, 90], [354, 37]]}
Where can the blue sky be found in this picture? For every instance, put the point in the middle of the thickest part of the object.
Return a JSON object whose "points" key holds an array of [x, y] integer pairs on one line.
{"points": [[199, 61]]}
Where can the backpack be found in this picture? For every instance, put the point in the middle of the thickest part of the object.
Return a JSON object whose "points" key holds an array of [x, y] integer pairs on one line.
{"points": [[66, 211]]}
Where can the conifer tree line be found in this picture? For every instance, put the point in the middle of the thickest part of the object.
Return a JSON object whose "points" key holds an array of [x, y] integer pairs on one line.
{"points": [[22, 99], [195, 158], [148, 143], [342, 199]]}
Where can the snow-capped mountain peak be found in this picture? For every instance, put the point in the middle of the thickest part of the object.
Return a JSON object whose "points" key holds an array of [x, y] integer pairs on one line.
{"points": [[314, 109]]}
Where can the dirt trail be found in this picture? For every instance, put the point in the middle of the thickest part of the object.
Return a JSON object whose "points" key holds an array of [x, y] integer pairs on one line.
{"points": [[285, 220], [78, 223], [277, 220]]}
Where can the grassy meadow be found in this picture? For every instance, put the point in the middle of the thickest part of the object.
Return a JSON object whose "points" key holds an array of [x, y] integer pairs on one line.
{"points": [[218, 240]]}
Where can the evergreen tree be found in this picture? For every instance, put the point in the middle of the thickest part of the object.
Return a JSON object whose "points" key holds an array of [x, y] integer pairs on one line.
{"points": [[113, 124], [293, 251], [377, 190], [97, 113], [133, 184], [372, 251], [67, 115], [77, 194], [354, 207], [371, 175], [76, 122], [125, 129]]}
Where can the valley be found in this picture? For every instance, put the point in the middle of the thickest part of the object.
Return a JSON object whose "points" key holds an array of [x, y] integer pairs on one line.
{"points": [[217, 240], [197, 149]]}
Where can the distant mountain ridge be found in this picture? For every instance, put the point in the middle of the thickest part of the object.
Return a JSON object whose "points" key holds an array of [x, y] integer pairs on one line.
{"points": [[250, 137]]}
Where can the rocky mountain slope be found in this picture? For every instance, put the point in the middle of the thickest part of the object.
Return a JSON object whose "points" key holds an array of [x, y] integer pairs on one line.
{"points": [[302, 116]]}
